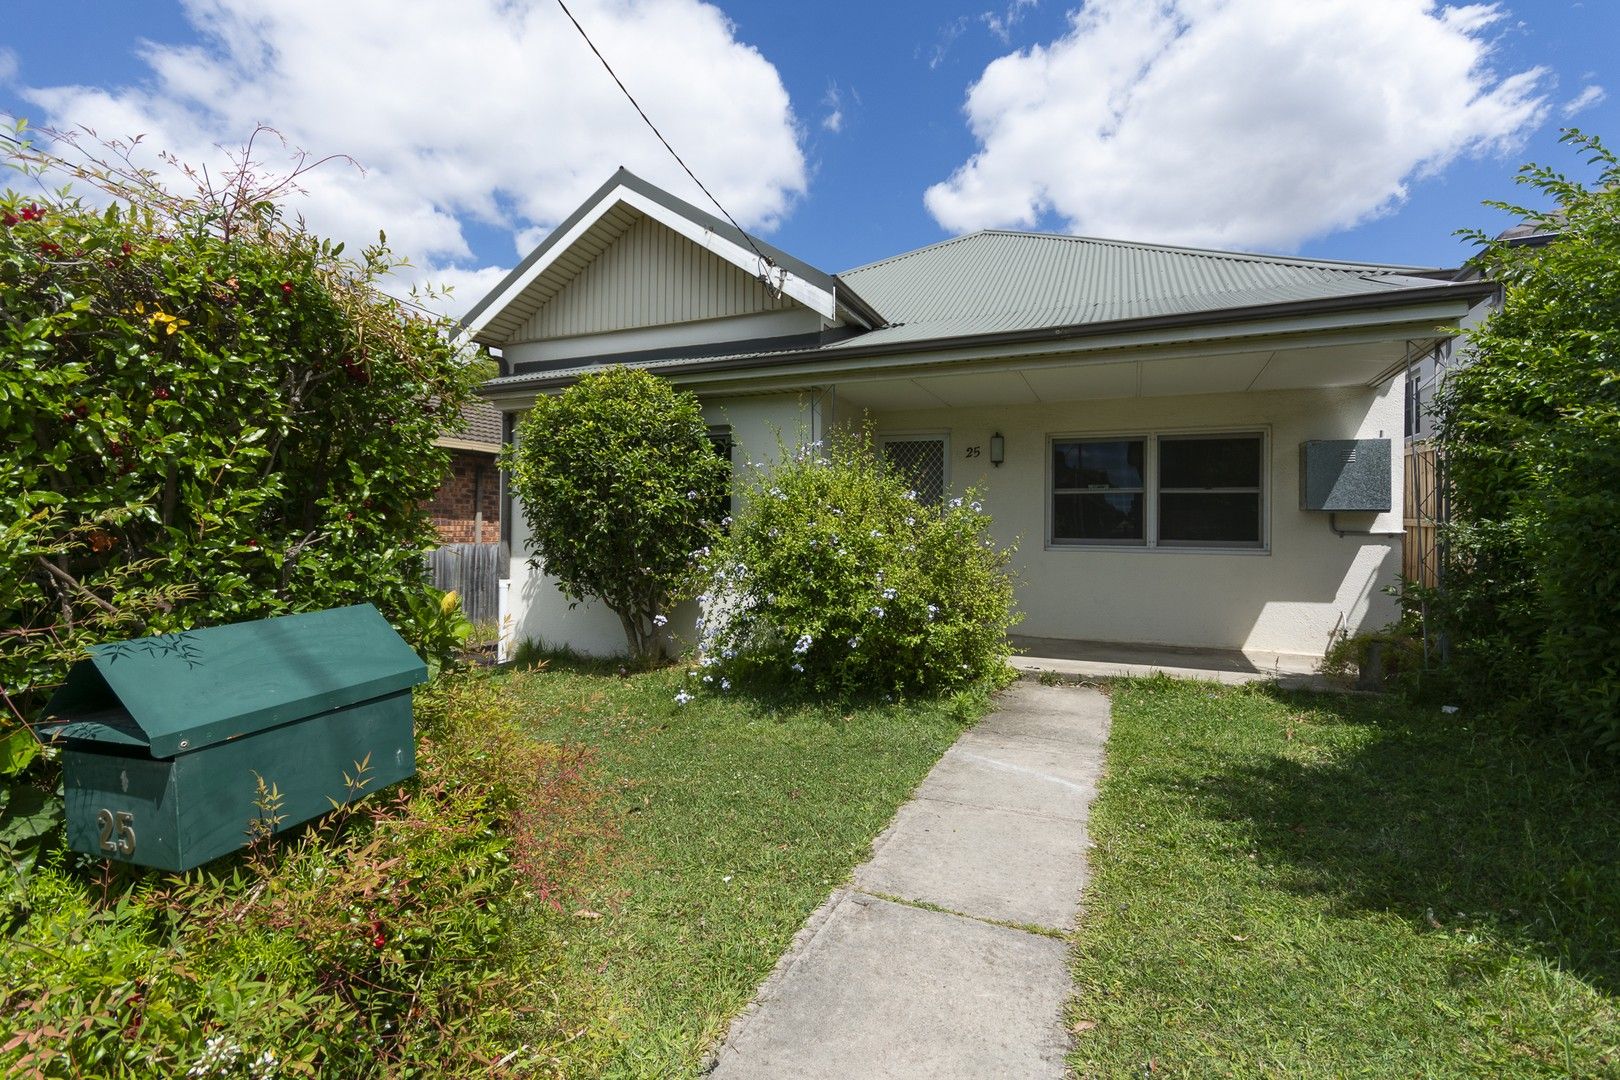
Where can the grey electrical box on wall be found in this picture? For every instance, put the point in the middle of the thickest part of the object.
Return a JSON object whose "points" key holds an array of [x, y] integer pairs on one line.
{"points": [[1344, 475]]}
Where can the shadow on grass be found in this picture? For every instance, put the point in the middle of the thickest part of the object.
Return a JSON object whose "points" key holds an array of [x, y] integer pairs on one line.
{"points": [[1449, 823]]}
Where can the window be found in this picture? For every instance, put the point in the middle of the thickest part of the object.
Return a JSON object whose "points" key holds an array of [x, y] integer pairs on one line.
{"points": [[920, 461], [1098, 494], [724, 444], [1189, 491]]}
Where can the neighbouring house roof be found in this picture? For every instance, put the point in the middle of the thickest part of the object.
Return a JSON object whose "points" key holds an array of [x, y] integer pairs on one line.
{"points": [[997, 286], [478, 428]]}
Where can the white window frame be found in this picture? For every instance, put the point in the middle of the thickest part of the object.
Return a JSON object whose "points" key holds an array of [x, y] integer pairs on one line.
{"points": [[1150, 481], [942, 437]]}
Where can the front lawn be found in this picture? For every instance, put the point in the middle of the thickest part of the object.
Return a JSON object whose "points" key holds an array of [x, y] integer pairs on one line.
{"points": [[736, 816], [1332, 886]]}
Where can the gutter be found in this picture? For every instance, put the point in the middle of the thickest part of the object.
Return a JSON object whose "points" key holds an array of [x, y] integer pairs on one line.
{"points": [[1471, 291]]}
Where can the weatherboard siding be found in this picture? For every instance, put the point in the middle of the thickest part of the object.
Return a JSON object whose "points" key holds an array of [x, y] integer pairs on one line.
{"points": [[650, 276]]}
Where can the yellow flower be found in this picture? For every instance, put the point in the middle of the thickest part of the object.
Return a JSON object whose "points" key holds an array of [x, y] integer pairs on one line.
{"points": [[169, 323]]}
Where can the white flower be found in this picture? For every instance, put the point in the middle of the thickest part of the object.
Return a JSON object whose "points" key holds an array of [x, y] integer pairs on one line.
{"points": [[876, 533], [704, 598], [933, 609], [691, 494], [708, 661], [954, 504], [660, 620], [682, 698], [725, 684], [708, 678], [802, 646], [978, 507], [725, 521], [911, 521], [855, 642], [798, 667], [728, 653], [890, 593], [876, 611], [912, 495]]}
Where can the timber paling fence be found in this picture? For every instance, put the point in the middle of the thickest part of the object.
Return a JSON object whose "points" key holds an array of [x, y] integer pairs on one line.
{"points": [[1424, 513], [473, 571]]}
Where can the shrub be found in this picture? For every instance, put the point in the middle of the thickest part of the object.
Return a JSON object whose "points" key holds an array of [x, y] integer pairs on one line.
{"points": [[1530, 432], [620, 484], [211, 415], [835, 578], [378, 941]]}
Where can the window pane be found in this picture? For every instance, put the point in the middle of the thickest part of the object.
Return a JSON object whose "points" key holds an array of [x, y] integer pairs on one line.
{"points": [[1097, 464], [1113, 518], [1218, 519], [1210, 463], [921, 464]]}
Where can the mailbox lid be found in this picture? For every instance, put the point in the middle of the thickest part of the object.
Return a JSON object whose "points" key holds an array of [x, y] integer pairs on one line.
{"points": [[192, 689]]}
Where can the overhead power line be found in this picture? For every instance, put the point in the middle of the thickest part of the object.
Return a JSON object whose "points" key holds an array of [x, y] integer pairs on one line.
{"points": [[764, 258]]}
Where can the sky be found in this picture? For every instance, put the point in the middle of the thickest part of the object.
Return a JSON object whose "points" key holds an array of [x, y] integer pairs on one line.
{"points": [[848, 132]]}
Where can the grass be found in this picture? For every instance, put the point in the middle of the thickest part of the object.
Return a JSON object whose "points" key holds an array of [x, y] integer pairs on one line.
{"points": [[736, 816], [1329, 886]]}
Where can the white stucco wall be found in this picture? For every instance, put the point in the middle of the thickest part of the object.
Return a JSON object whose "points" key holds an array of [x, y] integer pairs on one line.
{"points": [[1286, 599], [540, 613]]}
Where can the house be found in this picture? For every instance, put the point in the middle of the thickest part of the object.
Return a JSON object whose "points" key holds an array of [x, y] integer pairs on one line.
{"points": [[467, 507], [1132, 415]]}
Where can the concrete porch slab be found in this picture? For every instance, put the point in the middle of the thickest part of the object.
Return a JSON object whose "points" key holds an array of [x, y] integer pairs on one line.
{"points": [[1107, 660]]}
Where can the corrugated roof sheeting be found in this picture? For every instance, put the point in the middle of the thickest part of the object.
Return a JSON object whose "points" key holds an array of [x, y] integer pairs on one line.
{"points": [[992, 281], [998, 282]]}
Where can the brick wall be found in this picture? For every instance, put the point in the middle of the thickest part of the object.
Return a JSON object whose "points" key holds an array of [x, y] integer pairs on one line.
{"points": [[452, 508]]}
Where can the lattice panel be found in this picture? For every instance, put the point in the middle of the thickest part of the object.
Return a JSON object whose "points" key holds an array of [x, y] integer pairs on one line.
{"points": [[922, 463]]}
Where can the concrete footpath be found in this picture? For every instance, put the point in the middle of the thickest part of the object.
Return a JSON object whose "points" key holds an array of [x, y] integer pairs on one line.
{"points": [[939, 960]]}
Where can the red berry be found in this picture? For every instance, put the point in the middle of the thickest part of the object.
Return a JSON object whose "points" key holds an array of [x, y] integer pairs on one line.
{"points": [[253, 543], [286, 288], [127, 248], [10, 219], [161, 393], [31, 212]]}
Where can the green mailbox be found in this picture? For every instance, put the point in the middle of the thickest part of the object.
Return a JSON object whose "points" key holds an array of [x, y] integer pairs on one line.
{"points": [[165, 739]]}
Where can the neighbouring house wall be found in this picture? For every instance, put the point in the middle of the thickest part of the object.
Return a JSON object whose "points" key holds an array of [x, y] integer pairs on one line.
{"points": [[1286, 599], [759, 425], [454, 510]]}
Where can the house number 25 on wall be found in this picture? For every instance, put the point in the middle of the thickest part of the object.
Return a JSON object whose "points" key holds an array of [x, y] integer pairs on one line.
{"points": [[972, 452], [117, 832]]}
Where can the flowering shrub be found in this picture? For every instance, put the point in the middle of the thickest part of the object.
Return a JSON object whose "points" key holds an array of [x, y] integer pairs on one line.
{"points": [[383, 941], [210, 415], [836, 578]]}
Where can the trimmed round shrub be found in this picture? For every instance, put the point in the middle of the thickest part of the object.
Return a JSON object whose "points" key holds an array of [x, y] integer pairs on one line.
{"points": [[834, 577], [620, 484]]}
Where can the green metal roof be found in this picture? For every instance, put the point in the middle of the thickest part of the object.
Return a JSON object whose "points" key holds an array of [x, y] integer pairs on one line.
{"points": [[1001, 284], [187, 690], [996, 282]]}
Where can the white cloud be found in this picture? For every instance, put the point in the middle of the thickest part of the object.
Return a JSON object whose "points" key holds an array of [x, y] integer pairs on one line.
{"points": [[1001, 22], [8, 65], [487, 110], [1243, 123], [833, 102], [1588, 97]]}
